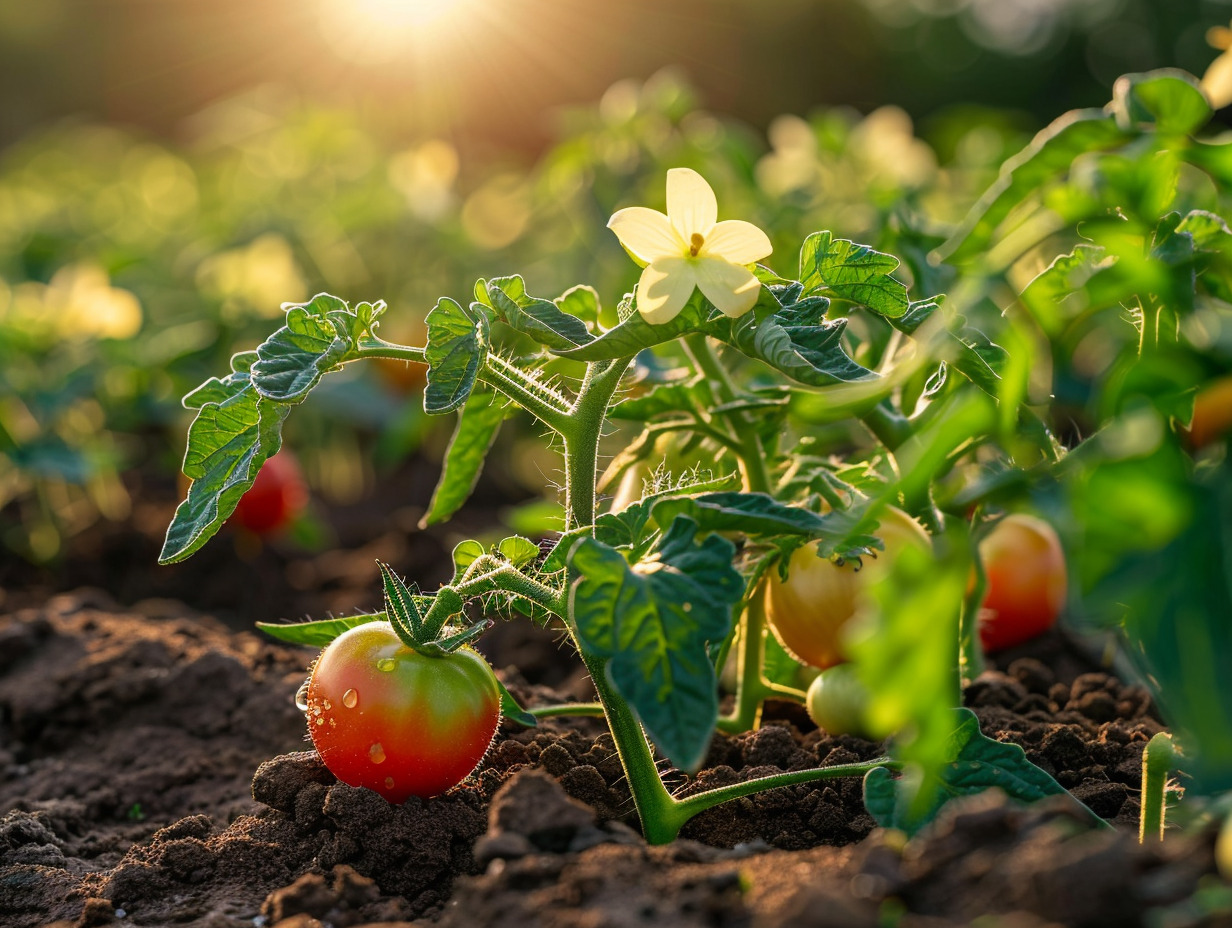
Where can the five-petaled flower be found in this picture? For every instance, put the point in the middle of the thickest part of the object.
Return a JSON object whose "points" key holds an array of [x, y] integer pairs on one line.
{"points": [[690, 248]]}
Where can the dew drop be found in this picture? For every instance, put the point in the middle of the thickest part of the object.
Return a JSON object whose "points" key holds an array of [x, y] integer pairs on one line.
{"points": [[385, 665], [350, 699], [301, 696], [377, 753], [389, 782]]}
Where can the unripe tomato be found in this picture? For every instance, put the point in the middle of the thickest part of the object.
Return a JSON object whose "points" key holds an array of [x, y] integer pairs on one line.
{"points": [[384, 716], [1212, 416], [275, 498], [836, 701], [808, 611], [1024, 569]]}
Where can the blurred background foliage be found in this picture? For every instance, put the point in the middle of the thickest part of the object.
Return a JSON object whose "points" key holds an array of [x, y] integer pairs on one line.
{"points": [[172, 172]]}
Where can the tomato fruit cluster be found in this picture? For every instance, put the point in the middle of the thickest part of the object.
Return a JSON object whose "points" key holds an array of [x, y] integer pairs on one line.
{"points": [[808, 610], [276, 497], [399, 722], [1024, 569]]}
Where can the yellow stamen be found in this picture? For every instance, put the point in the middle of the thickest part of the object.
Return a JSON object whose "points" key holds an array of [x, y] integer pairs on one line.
{"points": [[695, 244]]}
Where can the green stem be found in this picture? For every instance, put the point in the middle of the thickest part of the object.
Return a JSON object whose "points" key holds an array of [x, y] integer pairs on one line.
{"points": [[888, 426], [1157, 759], [567, 708], [511, 580], [583, 428]]}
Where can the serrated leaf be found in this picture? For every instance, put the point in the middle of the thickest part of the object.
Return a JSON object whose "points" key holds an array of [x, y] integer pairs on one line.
{"points": [[1167, 99], [852, 272], [976, 763], [517, 550], [319, 632], [1046, 158], [456, 350], [291, 361], [651, 623], [541, 320], [918, 312], [227, 443], [633, 526], [478, 423]]}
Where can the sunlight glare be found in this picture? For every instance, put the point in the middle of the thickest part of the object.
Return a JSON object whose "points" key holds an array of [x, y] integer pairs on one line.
{"points": [[381, 29]]}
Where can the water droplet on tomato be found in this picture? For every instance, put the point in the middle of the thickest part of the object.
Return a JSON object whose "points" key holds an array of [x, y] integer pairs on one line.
{"points": [[350, 699], [301, 696], [385, 664], [389, 782], [377, 753]]}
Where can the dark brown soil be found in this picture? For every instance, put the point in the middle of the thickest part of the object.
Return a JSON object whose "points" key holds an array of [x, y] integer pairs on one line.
{"points": [[129, 741]]}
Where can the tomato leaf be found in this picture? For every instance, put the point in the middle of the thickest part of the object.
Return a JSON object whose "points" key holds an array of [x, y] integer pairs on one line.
{"points": [[975, 763], [234, 432], [318, 336], [633, 333], [478, 423], [651, 623], [541, 320], [517, 550], [581, 301], [457, 347], [852, 272], [318, 632], [1167, 100]]}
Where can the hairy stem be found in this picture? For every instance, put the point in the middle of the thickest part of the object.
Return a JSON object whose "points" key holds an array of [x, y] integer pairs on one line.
{"points": [[1157, 759]]}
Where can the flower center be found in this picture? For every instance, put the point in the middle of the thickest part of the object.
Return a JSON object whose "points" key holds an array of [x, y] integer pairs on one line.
{"points": [[695, 244]]}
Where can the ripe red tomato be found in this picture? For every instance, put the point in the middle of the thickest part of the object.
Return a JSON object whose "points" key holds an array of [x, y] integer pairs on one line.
{"points": [[276, 497], [808, 611], [1024, 569], [836, 701], [1212, 415], [384, 716]]}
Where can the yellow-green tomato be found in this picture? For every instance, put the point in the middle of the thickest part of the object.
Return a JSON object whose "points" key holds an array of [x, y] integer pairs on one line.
{"points": [[807, 612], [837, 700]]}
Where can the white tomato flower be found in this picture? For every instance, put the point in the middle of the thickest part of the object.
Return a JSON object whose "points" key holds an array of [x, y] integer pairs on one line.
{"points": [[690, 248]]}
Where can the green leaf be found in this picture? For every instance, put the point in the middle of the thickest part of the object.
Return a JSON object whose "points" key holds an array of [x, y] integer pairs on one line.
{"points": [[478, 423], [918, 312], [581, 301], [1047, 158], [542, 320], [317, 633], [466, 553], [511, 709], [517, 550], [633, 526], [759, 515], [457, 347], [852, 272], [1046, 295], [227, 444], [681, 396], [317, 338], [976, 763], [978, 358], [651, 624], [1167, 100], [634, 334]]}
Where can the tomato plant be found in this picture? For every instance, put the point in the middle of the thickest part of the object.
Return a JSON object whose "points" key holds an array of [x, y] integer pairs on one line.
{"points": [[809, 610], [837, 700], [1024, 569], [396, 720], [277, 496]]}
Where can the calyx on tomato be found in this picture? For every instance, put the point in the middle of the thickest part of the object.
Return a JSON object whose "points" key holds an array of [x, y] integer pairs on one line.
{"points": [[392, 709], [807, 611]]}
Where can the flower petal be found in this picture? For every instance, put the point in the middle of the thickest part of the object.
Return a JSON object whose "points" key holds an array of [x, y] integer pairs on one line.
{"points": [[1217, 81], [737, 241], [691, 205], [730, 287], [664, 288], [646, 234]]}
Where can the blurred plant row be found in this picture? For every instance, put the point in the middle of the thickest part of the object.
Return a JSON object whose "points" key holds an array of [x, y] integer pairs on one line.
{"points": [[130, 269]]}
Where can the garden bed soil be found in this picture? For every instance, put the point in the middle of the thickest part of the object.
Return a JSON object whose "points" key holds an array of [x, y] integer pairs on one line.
{"points": [[154, 771]]}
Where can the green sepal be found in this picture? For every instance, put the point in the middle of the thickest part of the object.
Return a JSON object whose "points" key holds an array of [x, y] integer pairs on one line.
{"points": [[512, 710], [401, 608], [976, 763], [457, 347], [651, 623]]}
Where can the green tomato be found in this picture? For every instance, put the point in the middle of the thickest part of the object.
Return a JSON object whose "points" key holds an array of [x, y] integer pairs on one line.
{"points": [[837, 701]]}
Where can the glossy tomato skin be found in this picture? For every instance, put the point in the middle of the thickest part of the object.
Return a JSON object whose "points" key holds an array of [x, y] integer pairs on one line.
{"points": [[404, 724], [807, 612], [1024, 569], [836, 701], [275, 498], [1212, 415]]}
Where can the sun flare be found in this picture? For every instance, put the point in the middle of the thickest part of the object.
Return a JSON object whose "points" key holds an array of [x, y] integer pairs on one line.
{"points": [[381, 29]]}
